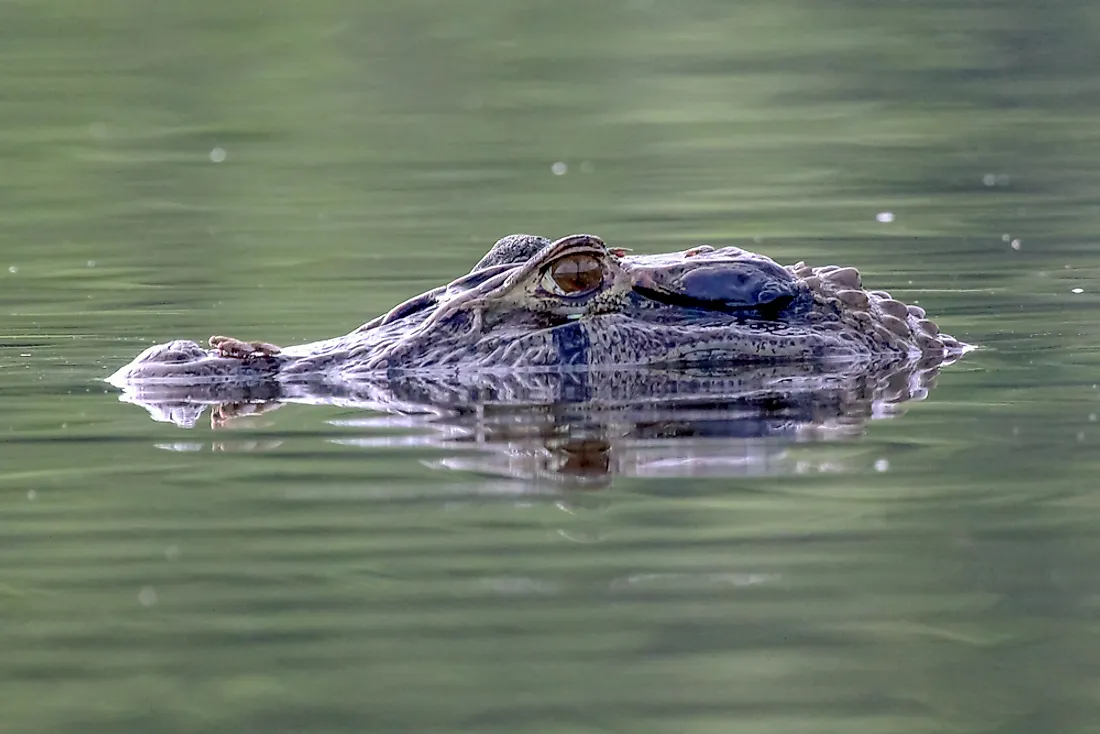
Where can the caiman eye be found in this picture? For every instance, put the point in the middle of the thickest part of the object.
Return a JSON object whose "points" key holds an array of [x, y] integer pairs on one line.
{"points": [[573, 275]]}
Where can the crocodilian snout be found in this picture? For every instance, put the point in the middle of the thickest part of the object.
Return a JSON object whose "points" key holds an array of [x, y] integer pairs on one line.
{"points": [[184, 361], [748, 288]]}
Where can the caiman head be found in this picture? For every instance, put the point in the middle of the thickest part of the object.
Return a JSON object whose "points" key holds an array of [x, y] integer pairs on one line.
{"points": [[535, 304]]}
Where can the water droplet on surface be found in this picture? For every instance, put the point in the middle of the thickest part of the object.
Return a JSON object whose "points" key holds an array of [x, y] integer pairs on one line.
{"points": [[90, 263], [1006, 237], [13, 269], [885, 217], [1078, 290], [989, 179], [32, 495], [882, 465], [147, 597], [218, 155], [559, 168], [1016, 245]]}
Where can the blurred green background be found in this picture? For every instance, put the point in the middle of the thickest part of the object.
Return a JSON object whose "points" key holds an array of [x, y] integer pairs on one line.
{"points": [[286, 170]]}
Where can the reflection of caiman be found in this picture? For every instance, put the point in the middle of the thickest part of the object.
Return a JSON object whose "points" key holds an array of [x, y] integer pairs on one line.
{"points": [[534, 305], [582, 426]]}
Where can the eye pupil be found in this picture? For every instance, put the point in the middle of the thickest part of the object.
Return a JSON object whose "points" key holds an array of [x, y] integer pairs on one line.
{"points": [[577, 273]]}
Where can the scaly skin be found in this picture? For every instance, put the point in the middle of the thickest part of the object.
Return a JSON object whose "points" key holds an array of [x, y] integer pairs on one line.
{"points": [[575, 303]]}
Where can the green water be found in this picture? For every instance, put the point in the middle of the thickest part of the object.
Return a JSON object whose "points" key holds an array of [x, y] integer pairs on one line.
{"points": [[286, 170]]}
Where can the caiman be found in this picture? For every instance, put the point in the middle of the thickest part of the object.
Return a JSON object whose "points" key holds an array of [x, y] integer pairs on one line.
{"points": [[535, 305]]}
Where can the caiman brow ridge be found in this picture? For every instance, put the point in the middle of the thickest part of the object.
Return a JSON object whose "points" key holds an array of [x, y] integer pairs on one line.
{"points": [[703, 306]]}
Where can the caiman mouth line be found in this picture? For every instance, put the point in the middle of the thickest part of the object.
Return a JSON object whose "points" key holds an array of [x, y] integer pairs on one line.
{"points": [[768, 311]]}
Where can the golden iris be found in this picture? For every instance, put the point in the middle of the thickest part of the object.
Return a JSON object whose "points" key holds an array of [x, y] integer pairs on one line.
{"points": [[574, 274]]}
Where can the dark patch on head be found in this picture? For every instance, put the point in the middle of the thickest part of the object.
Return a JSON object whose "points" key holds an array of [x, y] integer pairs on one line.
{"points": [[739, 284], [749, 289], [571, 344], [771, 307]]}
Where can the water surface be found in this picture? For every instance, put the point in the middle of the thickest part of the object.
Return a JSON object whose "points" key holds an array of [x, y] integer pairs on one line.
{"points": [[286, 172]]}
